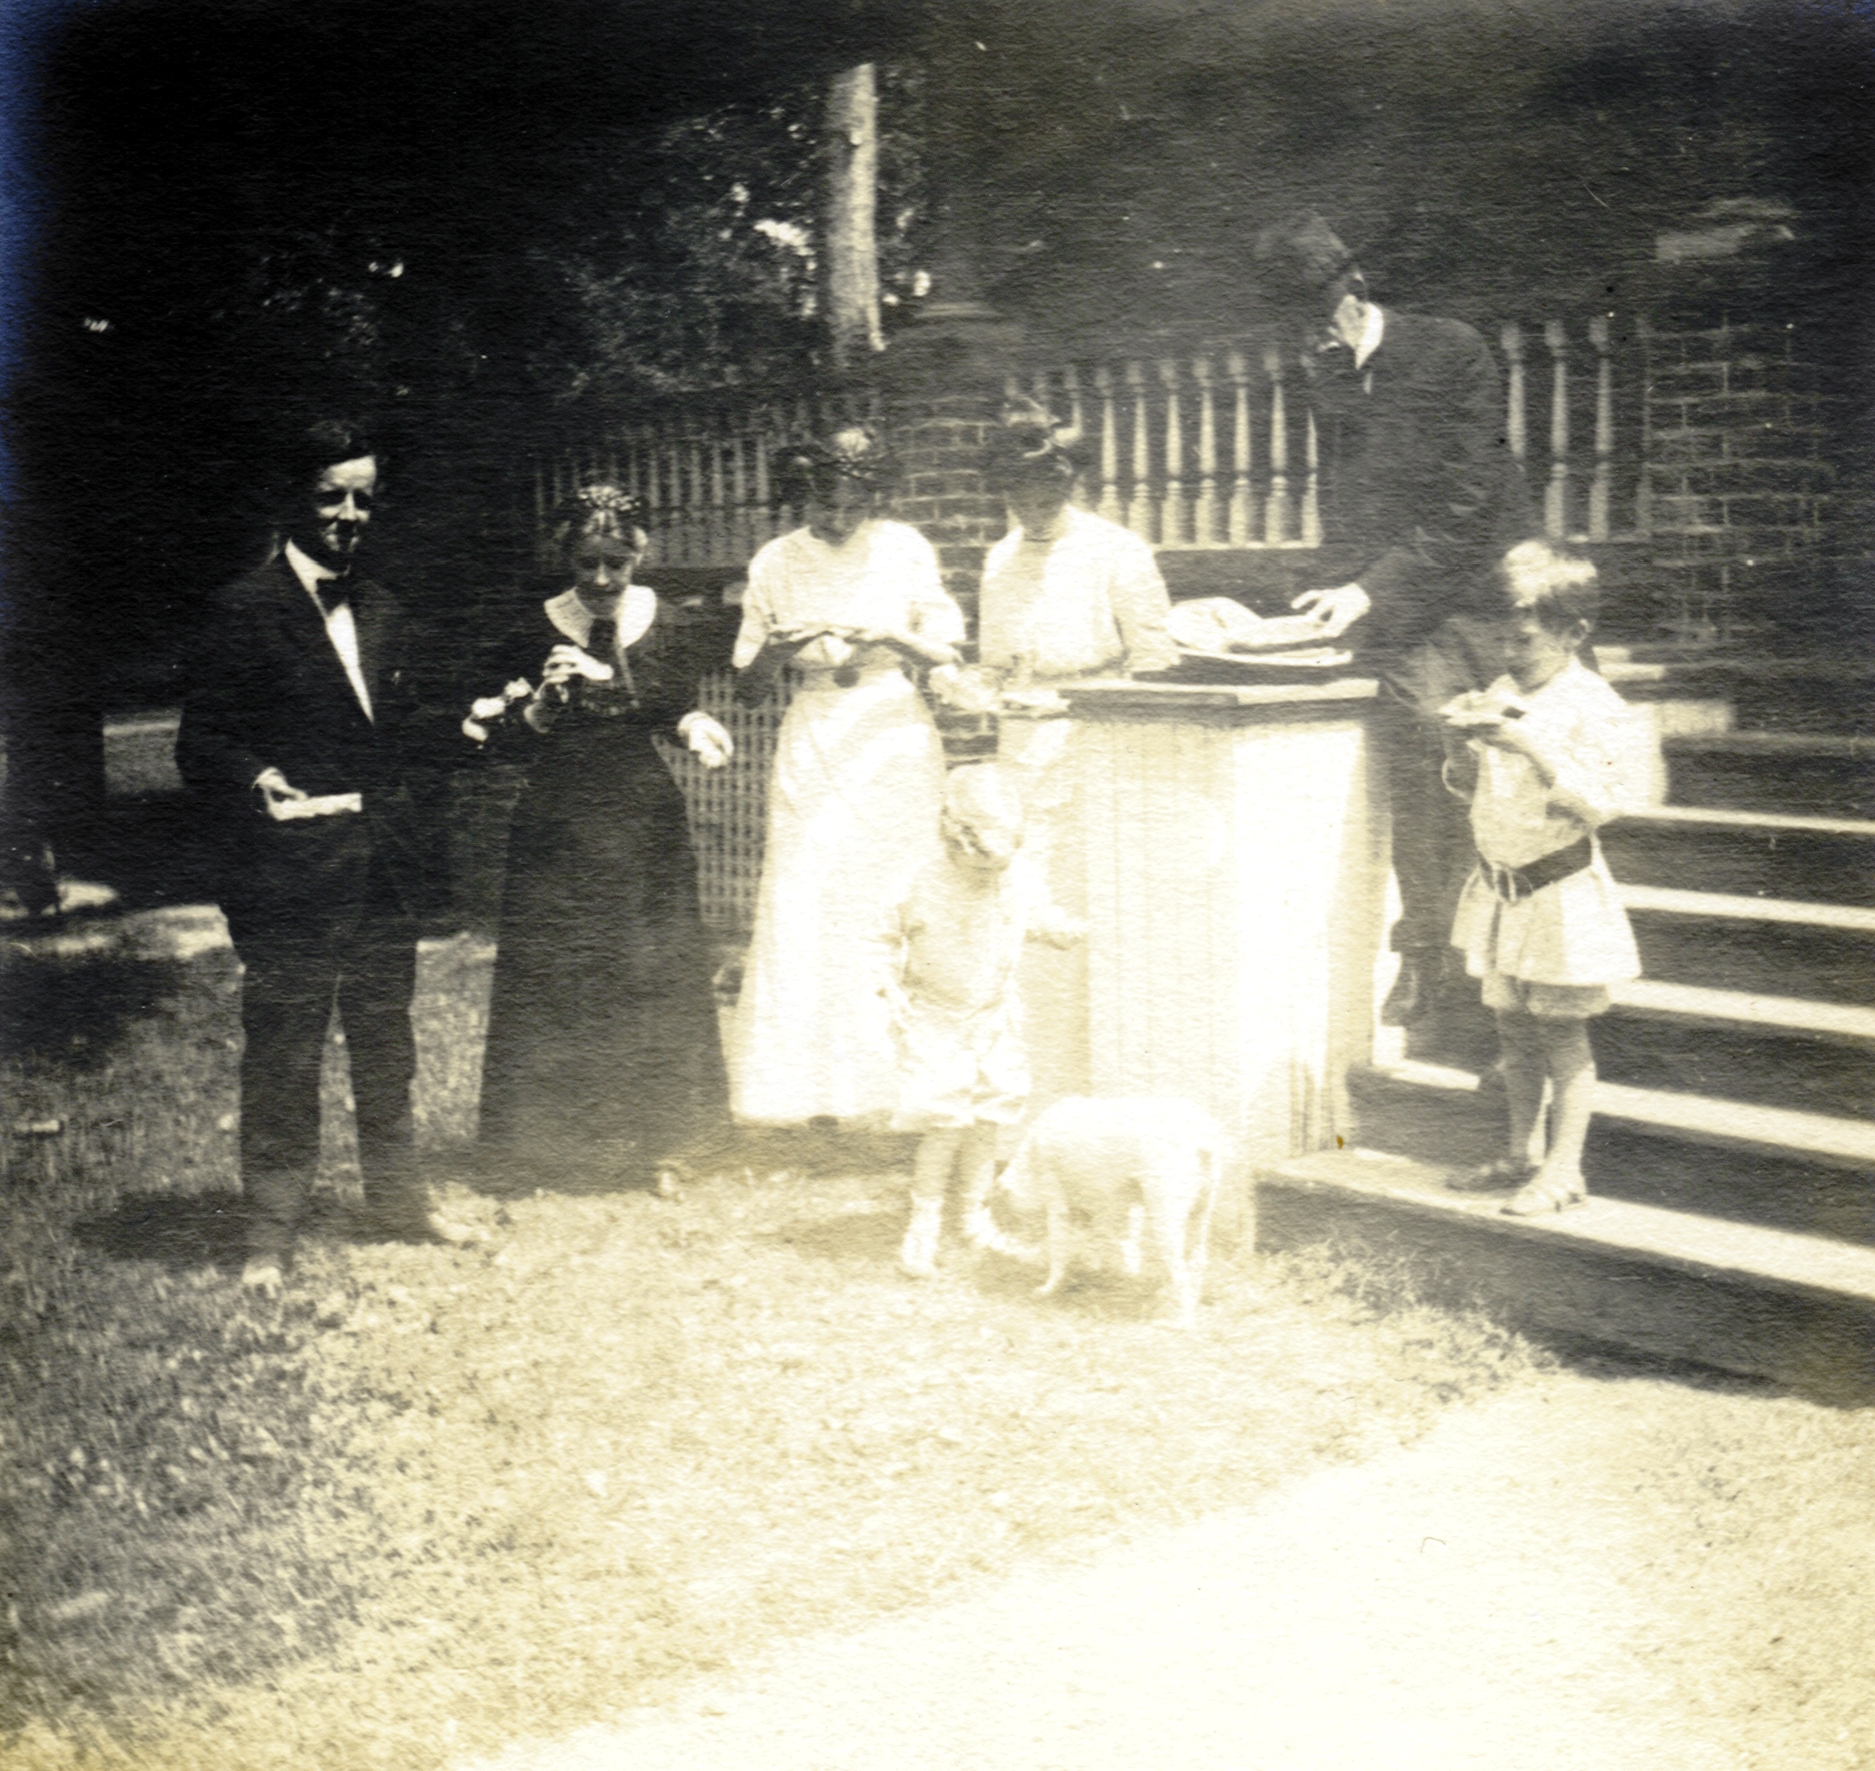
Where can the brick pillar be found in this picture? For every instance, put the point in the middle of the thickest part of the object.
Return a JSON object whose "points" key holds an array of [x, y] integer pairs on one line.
{"points": [[941, 391], [1744, 438], [1741, 489]]}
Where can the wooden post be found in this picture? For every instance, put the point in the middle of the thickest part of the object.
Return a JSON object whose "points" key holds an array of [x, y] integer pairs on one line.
{"points": [[1139, 508], [1242, 508], [1604, 429], [1515, 425], [1556, 498], [1109, 506], [849, 256], [1276, 515], [1204, 513], [1172, 510]]}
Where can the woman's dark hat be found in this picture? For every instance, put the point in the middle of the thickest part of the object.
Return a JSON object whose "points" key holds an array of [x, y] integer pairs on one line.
{"points": [[854, 452], [1030, 443]]}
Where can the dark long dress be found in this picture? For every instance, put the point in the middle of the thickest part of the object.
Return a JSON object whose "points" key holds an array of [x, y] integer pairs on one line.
{"points": [[603, 1053]]}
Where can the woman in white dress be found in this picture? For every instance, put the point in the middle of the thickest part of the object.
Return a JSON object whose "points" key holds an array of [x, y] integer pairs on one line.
{"points": [[1065, 594], [851, 601]]}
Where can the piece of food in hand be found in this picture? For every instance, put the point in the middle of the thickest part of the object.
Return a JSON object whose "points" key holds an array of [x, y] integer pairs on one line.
{"points": [[968, 688], [584, 663], [1481, 707]]}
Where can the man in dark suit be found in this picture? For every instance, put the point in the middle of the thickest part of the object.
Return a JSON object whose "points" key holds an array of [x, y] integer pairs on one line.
{"points": [[1417, 473], [299, 729]]}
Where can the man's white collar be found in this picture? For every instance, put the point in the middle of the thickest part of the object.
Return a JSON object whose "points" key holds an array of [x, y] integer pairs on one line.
{"points": [[1371, 330], [306, 569]]}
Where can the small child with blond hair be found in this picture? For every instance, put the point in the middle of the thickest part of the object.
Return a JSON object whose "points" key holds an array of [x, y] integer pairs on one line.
{"points": [[954, 940], [1546, 755]]}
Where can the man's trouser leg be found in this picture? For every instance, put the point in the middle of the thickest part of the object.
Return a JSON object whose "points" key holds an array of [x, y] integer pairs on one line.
{"points": [[1432, 846], [377, 980], [286, 1004]]}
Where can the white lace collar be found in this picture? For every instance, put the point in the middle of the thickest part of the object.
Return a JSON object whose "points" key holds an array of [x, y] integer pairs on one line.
{"points": [[637, 609]]}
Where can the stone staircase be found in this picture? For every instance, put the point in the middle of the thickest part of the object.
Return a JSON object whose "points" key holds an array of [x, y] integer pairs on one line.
{"points": [[1733, 1154]]}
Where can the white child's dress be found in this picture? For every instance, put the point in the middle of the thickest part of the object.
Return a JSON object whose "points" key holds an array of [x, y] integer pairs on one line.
{"points": [[852, 807], [1573, 931], [961, 1057]]}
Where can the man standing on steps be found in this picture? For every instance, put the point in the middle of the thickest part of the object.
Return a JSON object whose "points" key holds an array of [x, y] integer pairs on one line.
{"points": [[300, 721], [1417, 474]]}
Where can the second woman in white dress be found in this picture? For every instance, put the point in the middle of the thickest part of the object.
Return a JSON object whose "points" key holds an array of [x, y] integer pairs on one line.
{"points": [[854, 603]]}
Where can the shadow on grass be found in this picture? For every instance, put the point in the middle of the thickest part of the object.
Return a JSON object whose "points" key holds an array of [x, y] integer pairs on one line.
{"points": [[79, 1012], [851, 1238], [176, 1229]]}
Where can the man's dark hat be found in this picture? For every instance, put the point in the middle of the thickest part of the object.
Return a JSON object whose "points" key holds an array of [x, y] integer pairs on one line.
{"points": [[1297, 259]]}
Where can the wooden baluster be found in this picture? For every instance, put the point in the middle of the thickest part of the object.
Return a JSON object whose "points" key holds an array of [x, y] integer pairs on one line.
{"points": [[1204, 511], [1139, 506], [1604, 429], [763, 517], [1242, 507], [1644, 486], [1109, 505], [699, 524], [1012, 389], [1312, 486], [1075, 418], [737, 541], [1044, 394], [719, 515], [1276, 512], [1556, 497], [653, 494], [1515, 423], [1172, 518]]}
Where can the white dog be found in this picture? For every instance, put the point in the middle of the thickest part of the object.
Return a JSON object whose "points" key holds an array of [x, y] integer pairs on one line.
{"points": [[1124, 1164]]}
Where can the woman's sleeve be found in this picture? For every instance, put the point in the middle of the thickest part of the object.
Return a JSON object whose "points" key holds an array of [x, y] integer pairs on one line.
{"points": [[758, 612], [1140, 606], [934, 612]]}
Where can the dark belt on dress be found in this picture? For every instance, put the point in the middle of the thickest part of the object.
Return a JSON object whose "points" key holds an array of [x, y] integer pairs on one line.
{"points": [[1513, 883]]}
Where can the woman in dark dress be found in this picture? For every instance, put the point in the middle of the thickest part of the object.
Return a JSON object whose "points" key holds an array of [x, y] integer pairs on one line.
{"points": [[603, 1062]]}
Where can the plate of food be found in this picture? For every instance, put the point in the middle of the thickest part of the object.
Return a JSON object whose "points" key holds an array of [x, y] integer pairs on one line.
{"points": [[1218, 627], [1305, 658]]}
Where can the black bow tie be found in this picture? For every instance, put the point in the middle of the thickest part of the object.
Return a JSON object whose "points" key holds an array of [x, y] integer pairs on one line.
{"points": [[333, 594]]}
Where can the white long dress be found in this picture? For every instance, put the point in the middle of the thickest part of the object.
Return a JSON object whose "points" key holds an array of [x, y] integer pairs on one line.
{"points": [[1085, 599], [852, 810]]}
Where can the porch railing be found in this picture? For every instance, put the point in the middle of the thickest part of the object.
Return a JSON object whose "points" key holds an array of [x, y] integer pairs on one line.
{"points": [[1206, 446]]}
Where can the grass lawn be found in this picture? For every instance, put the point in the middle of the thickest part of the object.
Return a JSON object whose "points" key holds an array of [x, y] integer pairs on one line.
{"points": [[435, 1499]]}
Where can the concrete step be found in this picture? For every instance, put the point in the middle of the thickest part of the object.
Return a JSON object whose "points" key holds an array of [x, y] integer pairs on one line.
{"points": [[1818, 693], [1679, 1148], [1822, 952], [1833, 1139], [1757, 1052], [1793, 857], [1677, 1284], [1827, 774]]}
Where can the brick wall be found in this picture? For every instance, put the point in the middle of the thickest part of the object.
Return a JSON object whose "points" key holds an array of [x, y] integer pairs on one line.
{"points": [[1741, 487]]}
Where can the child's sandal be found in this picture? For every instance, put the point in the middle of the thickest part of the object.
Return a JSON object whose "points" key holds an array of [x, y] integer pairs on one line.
{"points": [[1500, 1176], [1540, 1198]]}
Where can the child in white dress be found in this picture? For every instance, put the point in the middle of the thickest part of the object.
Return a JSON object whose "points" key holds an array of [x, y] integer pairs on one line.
{"points": [[954, 940], [1546, 754]]}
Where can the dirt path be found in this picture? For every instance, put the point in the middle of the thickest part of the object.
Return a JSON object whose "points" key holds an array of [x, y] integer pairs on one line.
{"points": [[1591, 1573]]}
